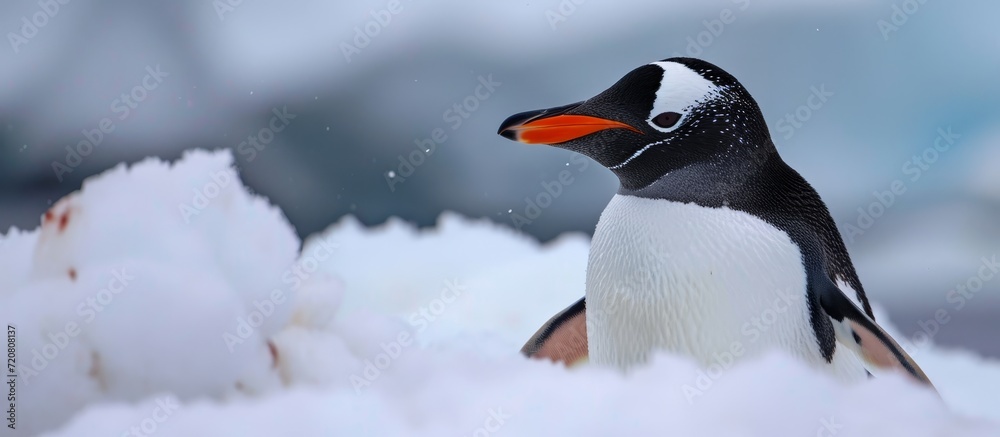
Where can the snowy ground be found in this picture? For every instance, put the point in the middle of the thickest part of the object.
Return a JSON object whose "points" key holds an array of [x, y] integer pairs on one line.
{"points": [[166, 299]]}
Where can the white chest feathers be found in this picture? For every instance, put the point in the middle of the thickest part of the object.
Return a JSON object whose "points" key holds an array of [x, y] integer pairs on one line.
{"points": [[709, 283]]}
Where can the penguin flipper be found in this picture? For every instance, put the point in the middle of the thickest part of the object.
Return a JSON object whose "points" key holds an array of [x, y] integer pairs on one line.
{"points": [[563, 338], [861, 334]]}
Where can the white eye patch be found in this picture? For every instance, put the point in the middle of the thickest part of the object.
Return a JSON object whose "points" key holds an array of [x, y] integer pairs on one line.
{"points": [[681, 89]]}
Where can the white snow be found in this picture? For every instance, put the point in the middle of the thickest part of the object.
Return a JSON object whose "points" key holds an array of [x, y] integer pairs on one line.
{"points": [[387, 331], [130, 278]]}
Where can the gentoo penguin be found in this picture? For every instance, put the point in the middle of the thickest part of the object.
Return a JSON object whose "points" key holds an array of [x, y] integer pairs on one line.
{"points": [[713, 246]]}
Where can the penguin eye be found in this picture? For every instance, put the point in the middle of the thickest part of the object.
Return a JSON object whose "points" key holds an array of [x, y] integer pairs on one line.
{"points": [[666, 120]]}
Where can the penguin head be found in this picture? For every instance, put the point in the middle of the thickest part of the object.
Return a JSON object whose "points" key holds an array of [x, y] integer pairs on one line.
{"points": [[659, 118]]}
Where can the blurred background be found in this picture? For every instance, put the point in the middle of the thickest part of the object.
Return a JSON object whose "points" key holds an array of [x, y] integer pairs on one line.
{"points": [[390, 108]]}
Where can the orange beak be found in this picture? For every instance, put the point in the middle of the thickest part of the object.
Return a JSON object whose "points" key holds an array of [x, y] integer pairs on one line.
{"points": [[553, 126]]}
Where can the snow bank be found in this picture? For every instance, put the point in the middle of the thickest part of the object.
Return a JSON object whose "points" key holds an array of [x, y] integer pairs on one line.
{"points": [[506, 284], [435, 393], [142, 283], [218, 326]]}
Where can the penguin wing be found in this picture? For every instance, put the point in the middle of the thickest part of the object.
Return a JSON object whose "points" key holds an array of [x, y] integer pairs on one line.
{"points": [[563, 338], [855, 330]]}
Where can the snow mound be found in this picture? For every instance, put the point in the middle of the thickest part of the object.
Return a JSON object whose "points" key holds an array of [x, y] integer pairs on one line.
{"points": [[146, 281], [464, 275], [193, 313]]}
